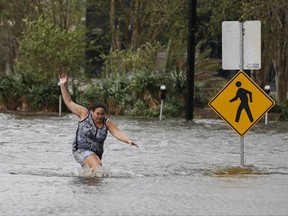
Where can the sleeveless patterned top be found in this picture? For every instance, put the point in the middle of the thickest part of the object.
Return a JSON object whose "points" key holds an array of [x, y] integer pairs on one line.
{"points": [[89, 136]]}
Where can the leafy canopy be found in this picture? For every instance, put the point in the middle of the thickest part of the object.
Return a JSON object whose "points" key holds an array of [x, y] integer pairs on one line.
{"points": [[45, 49]]}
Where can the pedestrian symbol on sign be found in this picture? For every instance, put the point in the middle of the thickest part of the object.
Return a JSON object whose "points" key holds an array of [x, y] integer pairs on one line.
{"points": [[243, 94], [241, 111]]}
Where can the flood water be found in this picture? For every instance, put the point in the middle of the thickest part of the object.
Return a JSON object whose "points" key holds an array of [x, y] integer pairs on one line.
{"points": [[172, 173]]}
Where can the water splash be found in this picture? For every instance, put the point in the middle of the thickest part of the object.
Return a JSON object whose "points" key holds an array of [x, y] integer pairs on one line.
{"points": [[101, 172]]}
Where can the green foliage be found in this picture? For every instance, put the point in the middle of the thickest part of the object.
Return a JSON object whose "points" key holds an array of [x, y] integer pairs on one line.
{"points": [[177, 81], [142, 109], [138, 93], [203, 63], [276, 108], [15, 91], [45, 49], [120, 91], [43, 97], [173, 107], [205, 90], [146, 84], [4, 91], [125, 61], [90, 94], [167, 21], [284, 114], [112, 90], [133, 76], [141, 83], [11, 89], [206, 83]]}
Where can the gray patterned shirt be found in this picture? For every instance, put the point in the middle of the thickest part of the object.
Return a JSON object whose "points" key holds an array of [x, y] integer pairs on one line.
{"points": [[89, 136]]}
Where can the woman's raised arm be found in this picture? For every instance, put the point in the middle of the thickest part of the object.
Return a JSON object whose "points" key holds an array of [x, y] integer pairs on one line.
{"points": [[77, 109]]}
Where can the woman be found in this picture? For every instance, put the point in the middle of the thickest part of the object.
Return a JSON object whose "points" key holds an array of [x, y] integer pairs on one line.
{"points": [[92, 129]]}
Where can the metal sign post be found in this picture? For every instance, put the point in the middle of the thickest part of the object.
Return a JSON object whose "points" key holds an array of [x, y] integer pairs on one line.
{"points": [[241, 49], [242, 151], [162, 97], [60, 105], [241, 68], [267, 90], [60, 101]]}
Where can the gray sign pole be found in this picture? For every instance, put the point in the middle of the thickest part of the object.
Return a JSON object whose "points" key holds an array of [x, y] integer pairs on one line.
{"points": [[60, 105], [241, 68], [245, 39], [60, 101]]}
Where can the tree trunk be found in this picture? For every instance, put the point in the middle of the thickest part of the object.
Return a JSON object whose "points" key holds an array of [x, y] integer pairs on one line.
{"points": [[281, 86], [136, 32], [112, 26], [279, 44], [281, 77], [7, 51]]}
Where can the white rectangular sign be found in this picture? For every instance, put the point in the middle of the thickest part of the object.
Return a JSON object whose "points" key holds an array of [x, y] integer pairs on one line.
{"points": [[241, 42]]}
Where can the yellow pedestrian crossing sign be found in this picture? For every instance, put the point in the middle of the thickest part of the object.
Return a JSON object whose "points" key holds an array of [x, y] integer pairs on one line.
{"points": [[241, 103]]}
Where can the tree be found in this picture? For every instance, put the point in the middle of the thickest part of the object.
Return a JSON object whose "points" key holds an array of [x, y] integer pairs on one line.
{"points": [[45, 49], [275, 22], [274, 19], [12, 14], [16, 15], [133, 11]]}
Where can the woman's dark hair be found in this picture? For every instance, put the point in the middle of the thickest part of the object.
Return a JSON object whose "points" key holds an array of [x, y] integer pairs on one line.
{"points": [[96, 105]]}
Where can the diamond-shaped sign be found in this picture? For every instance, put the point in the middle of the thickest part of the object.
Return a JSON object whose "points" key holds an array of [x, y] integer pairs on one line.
{"points": [[241, 103]]}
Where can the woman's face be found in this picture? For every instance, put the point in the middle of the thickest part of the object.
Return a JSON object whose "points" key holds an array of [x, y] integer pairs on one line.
{"points": [[99, 114]]}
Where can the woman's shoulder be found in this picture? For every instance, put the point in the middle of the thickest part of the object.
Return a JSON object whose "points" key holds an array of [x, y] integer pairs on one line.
{"points": [[105, 120]]}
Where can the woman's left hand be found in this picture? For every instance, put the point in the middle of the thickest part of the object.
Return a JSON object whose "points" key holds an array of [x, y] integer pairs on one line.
{"points": [[134, 144]]}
